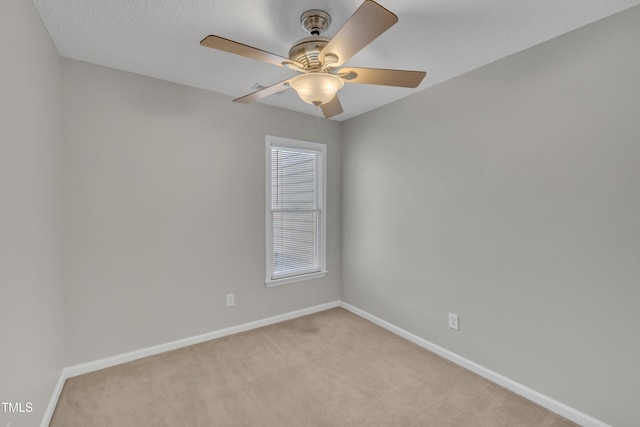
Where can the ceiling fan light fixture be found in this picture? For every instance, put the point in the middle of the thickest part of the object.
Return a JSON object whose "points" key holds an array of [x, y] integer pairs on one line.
{"points": [[316, 88]]}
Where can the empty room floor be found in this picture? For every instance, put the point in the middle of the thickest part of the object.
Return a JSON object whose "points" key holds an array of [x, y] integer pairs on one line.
{"points": [[331, 368]]}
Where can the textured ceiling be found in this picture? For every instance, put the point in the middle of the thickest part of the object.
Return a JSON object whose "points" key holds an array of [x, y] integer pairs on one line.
{"points": [[445, 38]]}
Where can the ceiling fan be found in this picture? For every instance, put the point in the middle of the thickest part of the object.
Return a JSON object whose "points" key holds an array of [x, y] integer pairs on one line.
{"points": [[319, 59]]}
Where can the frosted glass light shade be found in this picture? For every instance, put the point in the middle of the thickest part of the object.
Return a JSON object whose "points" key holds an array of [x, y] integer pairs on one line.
{"points": [[316, 88]]}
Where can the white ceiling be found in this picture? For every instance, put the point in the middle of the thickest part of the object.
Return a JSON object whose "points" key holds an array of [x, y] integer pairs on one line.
{"points": [[445, 38]]}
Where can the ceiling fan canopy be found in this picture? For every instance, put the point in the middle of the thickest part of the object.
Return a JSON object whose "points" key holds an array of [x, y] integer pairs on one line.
{"points": [[319, 59]]}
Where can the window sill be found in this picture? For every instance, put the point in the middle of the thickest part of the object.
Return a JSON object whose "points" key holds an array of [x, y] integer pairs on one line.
{"points": [[293, 279]]}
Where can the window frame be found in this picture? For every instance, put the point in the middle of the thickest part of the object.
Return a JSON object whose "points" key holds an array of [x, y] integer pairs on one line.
{"points": [[275, 141]]}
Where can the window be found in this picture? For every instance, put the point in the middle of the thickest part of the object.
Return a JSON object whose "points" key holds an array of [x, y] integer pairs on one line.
{"points": [[295, 210]]}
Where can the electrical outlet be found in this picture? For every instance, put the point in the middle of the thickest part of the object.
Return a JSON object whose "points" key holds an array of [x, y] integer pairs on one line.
{"points": [[453, 321], [231, 300]]}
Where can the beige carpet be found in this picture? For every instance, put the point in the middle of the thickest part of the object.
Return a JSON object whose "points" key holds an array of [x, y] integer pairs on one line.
{"points": [[327, 369]]}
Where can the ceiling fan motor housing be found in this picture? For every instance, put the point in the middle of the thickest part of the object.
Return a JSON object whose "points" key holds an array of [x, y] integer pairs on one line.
{"points": [[306, 52]]}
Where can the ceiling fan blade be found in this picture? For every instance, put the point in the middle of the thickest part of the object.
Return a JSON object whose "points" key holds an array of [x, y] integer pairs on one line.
{"points": [[264, 92], [331, 108], [226, 45], [364, 26], [378, 76]]}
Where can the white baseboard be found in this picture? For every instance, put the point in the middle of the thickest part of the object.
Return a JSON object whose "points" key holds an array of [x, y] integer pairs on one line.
{"points": [[107, 362], [48, 413], [524, 391], [84, 368]]}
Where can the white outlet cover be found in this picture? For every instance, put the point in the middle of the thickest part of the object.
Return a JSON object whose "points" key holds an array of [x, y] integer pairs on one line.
{"points": [[453, 321]]}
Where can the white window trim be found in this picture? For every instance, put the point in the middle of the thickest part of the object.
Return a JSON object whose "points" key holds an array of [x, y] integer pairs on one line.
{"points": [[304, 145]]}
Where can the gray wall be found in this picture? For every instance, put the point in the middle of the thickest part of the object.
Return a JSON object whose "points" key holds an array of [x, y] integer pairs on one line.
{"points": [[511, 196], [31, 289], [164, 211]]}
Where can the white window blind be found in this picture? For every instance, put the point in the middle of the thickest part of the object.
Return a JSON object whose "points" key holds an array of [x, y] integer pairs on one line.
{"points": [[296, 211]]}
